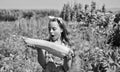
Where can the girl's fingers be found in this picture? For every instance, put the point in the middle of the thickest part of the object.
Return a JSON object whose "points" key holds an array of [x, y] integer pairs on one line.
{"points": [[70, 55]]}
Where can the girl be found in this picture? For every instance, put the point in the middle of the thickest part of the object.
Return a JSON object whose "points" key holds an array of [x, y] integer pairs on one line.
{"points": [[57, 34]]}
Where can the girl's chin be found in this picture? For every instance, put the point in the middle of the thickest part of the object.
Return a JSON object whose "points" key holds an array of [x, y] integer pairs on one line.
{"points": [[53, 39]]}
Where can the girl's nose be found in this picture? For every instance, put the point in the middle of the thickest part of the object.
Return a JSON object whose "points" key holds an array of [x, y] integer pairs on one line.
{"points": [[51, 30]]}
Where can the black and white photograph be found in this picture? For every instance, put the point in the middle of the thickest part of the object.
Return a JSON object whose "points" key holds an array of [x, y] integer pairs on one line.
{"points": [[59, 35]]}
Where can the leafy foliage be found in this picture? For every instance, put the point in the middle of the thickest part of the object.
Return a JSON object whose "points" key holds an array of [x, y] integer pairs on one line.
{"points": [[94, 37]]}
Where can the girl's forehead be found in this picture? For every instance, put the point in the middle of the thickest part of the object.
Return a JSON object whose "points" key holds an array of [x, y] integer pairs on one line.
{"points": [[53, 24]]}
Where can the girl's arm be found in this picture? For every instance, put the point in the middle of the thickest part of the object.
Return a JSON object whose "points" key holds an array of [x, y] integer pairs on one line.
{"points": [[41, 54], [68, 61], [41, 58]]}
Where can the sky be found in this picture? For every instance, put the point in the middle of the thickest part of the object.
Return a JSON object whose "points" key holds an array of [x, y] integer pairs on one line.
{"points": [[53, 4]]}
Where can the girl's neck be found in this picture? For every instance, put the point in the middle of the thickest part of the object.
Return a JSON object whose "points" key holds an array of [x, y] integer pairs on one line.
{"points": [[58, 41]]}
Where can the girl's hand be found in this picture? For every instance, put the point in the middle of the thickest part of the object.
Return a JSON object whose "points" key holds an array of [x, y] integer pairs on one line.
{"points": [[68, 60], [70, 55]]}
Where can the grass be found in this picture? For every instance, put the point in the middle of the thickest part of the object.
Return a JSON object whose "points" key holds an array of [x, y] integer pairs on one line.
{"points": [[92, 53]]}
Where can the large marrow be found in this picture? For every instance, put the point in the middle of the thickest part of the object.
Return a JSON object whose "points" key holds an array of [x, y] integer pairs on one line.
{"points": [[55, 49]]}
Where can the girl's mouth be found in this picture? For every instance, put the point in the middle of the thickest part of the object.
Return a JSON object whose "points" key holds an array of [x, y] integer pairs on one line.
{"points": [[52, 35]]}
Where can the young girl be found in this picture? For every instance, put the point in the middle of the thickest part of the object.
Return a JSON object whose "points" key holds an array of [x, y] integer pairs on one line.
{"points": [[57, 34]]}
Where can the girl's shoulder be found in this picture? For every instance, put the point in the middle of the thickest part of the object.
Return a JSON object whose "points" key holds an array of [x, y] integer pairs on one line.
{"points": [[65, 44]]}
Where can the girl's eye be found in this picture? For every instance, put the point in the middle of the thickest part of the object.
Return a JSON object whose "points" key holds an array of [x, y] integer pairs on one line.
{"points": [[54, 29]]}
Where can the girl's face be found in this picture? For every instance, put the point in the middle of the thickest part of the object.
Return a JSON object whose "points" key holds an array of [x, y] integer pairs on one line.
{"points": [[54, 30]]}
